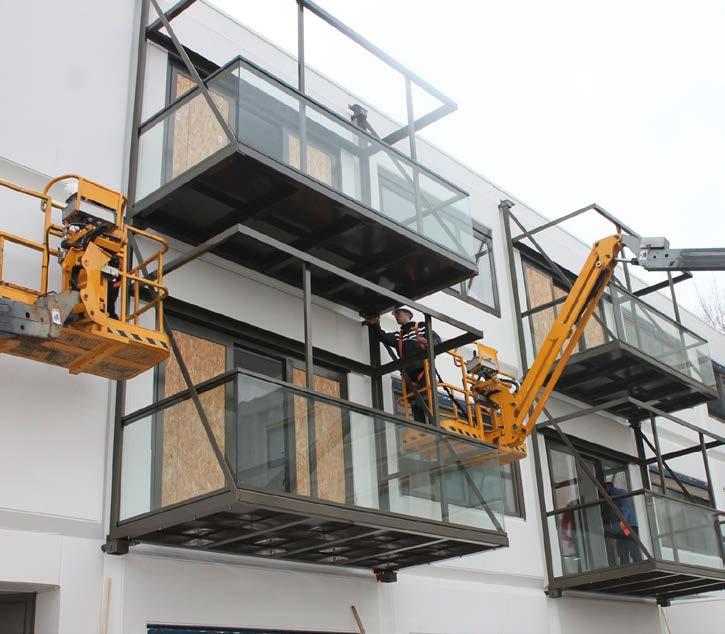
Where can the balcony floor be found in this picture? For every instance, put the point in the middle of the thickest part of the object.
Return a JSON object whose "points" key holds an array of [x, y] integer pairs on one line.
{"points": [[649, 579], [243, 186], [615, 370], [276, 527]]}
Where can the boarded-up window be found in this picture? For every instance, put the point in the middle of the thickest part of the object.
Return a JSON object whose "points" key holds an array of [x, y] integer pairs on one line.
{"points": [[188, 463], [195, 132], [541, 290], [319, 162], [329, 446]]}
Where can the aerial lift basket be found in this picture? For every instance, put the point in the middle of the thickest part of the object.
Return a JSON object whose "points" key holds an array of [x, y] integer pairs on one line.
{"points": [[92, 323]]}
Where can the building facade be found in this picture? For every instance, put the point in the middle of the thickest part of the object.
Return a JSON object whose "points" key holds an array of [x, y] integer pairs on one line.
{"points": [[316, 488]]}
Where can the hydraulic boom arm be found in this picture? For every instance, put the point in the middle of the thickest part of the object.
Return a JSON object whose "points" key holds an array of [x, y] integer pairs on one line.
{"points": [[513, 414]]}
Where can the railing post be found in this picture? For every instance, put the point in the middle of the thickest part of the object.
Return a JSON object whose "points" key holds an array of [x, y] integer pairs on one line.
{"points": [[309, 376], [663, 484]]}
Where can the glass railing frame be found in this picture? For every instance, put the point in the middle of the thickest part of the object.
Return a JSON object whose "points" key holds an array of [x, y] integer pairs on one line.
{"points": [[647, 497], [228, 379], [308, 101]]}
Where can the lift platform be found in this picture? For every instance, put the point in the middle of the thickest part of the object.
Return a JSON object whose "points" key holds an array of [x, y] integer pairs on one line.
{"points": [[77, 326]]}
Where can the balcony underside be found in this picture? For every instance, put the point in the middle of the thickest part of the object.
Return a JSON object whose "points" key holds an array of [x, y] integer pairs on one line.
{"points": [[243, 186], [276, 527], [648, 579], [616, 370]]}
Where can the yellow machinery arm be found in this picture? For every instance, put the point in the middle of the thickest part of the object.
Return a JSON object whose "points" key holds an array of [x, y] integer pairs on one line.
{"points": [[77, 326], [498, 410], [514, 414]]}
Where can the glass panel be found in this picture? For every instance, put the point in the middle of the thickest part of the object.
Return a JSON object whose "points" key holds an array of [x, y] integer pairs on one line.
{"points": [[182, 139], [346, 457], [278, 122], [640, 326], [167, 457], [569, 488], [360, 459], [686, 533], [481, 287], [592, 537]]}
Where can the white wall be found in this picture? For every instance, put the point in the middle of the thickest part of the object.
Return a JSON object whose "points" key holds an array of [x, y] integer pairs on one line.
{"points": [[70, 111]]}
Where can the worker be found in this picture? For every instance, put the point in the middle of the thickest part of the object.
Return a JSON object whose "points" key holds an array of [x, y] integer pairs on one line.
{"points": [[627, 548], [411, 339]]}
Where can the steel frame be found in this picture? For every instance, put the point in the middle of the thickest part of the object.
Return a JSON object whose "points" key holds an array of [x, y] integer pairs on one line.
{"points": [[412, 124], [557, 584], [374, 369]]}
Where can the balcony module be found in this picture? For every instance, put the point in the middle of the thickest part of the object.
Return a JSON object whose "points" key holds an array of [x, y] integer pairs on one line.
{"points": [[303, 477], [289, 168], [681, 550], [652, 359]]}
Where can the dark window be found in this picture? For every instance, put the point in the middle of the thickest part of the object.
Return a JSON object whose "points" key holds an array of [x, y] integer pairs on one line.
{"points": [[481, 290], [17, 613]]}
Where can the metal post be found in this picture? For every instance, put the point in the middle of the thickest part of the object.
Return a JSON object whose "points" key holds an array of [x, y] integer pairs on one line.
{"points": [[675, 306], [137, 102], [414, 154], [301, 84], [117, 454], [505, 208], [300, 47], [663, 484], [644, 472], [309, 375], [658, 455], [539, 477], [381, 442], [706, 462], [432, 378]]}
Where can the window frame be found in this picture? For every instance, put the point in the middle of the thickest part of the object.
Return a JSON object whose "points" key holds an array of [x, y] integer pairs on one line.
{"points": [[27, 601], [480, 232]]}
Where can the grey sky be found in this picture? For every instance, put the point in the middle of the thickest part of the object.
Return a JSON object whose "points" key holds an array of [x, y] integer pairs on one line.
{"points": [[561, 103]]}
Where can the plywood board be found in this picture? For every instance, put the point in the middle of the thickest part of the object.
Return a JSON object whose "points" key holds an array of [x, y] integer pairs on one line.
{"points": [[319, 162], [196, 133], [189, 466], [329, 450]]}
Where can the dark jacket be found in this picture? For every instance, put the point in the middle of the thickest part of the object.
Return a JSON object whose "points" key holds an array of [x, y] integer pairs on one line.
{"points": [[411, 339]]}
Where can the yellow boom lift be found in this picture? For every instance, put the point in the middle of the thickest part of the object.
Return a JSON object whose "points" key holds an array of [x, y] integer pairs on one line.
{"points": [[497, 408], [500, 410], [91, 324]]}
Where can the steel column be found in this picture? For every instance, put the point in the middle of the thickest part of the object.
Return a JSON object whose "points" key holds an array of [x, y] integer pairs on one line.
{"points": [[138, 101], [505, 208], [309, 376], [644, 472], [708, 474]]}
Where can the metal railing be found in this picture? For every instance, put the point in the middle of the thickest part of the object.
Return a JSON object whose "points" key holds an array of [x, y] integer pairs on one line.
{"points": [[270, 116], [637, 324], [280, 438], [587, 536]]}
